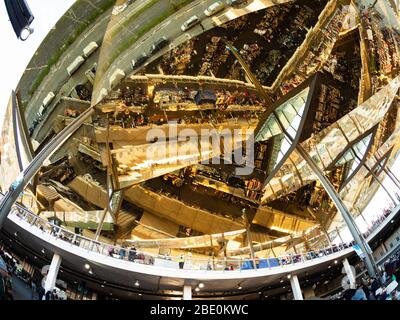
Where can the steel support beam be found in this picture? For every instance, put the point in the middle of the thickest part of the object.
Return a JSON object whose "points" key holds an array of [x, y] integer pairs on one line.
{"points": [[23, 179]]}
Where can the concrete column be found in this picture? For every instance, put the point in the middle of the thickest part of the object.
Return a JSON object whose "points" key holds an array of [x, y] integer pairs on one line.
{"points": [[296, 289], [349, 273], [51, 277], [187, 293]]}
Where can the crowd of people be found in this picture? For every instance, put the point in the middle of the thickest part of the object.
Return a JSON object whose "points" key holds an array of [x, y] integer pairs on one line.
{"points": [[317, 55], [225, 98], [177, 60], [285, 37], [216, 99], [377, 221], [381, 42], [7, 268], [130, 119], [15, 269], [384, 288], [135, 96]]}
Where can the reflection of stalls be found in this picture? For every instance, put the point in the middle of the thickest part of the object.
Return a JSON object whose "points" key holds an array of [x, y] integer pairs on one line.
{"points": [[83, 220], [293, 239], [205, 241], [205, 96]]}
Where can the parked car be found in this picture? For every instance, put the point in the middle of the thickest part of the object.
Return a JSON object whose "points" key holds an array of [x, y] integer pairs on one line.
{"points": [[89, 49], [191, 22], [75, 65], [214, 8], [139, 60], [158, 45], [237, 3], [46, 101]]}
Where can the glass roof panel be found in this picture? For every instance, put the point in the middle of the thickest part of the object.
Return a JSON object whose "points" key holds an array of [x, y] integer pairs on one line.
{"points": [[356, 151], [290, 113], [282, 152]]}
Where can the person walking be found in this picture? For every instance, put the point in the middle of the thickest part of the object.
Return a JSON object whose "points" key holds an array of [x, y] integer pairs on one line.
{"points": [[41, 292], [132, 254], [122, 253], [181, 261], [359, 294], [33, 286]]}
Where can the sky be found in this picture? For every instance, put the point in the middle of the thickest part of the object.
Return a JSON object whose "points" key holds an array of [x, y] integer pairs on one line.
{"points": [[16, 54]]}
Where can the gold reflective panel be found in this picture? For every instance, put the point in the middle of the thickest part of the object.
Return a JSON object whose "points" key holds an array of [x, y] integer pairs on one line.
{"points": [[9, 165]]}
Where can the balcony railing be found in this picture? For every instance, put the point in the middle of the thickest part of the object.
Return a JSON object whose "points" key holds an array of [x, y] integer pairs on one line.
{"points": [[134, 256]]}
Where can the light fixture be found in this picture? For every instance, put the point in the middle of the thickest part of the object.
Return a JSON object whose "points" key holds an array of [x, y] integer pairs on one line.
{"points": [[102, 285], [240, 287], [335, 261], [201, 285], [284, 287], [16, 234], [281, 281], [87, 266], [25, 33], [289, 276], [197, 289], [137, 284], [21, 18], [329, 266], [90, 272], [140, 294]]}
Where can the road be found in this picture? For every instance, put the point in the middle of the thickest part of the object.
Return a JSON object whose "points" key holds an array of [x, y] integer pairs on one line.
{"points": [[58, 80], [171, 29]]}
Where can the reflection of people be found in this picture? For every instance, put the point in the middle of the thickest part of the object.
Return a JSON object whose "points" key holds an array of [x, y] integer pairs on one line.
{"points": [[122, 253], [181, 261], [132, 254]]}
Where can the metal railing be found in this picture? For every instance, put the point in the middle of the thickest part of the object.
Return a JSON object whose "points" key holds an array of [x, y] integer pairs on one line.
{"points": [[189, 263]]}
